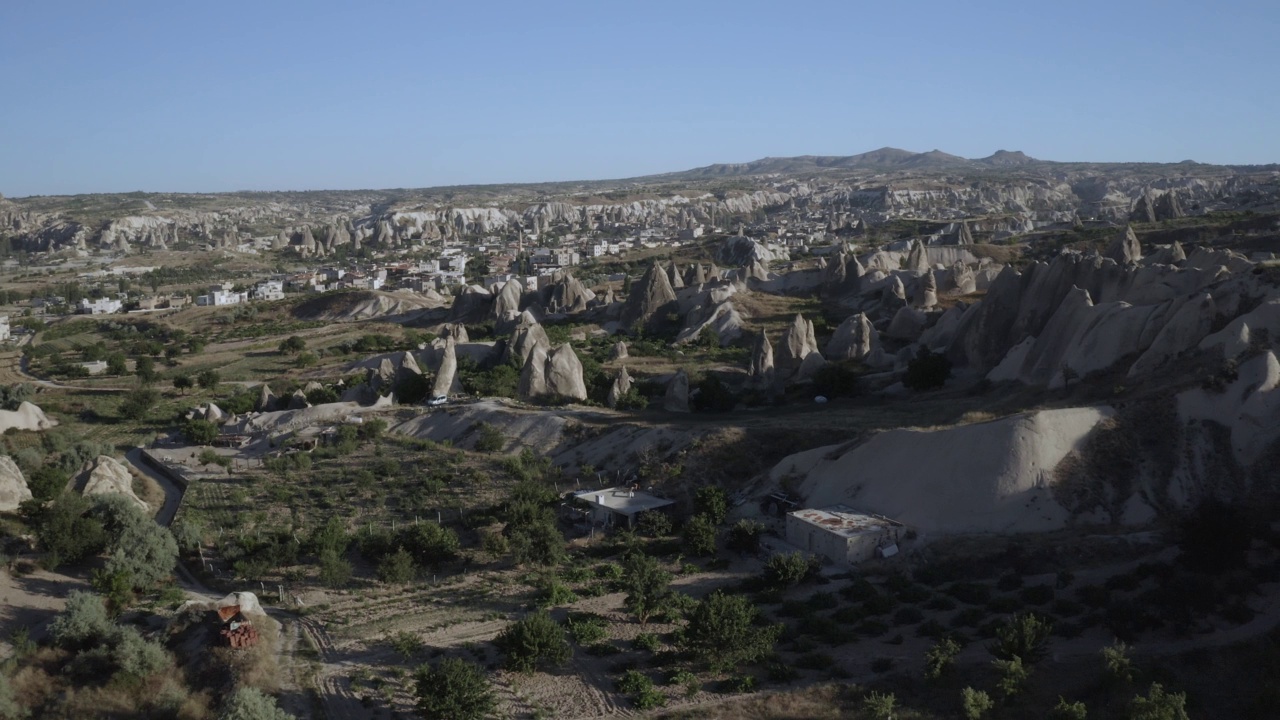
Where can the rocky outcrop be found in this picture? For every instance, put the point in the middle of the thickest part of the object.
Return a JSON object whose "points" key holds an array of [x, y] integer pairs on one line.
{"points": [[739, 251], [676, 398], [1125, 248], [619, 351], [564, 374], [28, 416], [798, 356], [1188, 326], [620, 387], [446, 382], [673, 274], [471, 305], [266, 399], [506, 306], [926, 295], [457, 331], [722, 319], [554, 374], [13, 485], [649, 300], [907, 324], [528, 335], [298, 401], [761, 371], [567, 294], [106, 477], [855, 339]]}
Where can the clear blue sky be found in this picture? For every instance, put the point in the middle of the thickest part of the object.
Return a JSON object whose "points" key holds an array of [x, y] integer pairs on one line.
{"points": [[114, 96]]}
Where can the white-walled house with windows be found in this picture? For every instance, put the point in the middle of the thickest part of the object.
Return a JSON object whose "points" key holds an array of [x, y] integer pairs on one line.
{"points": [[269, 290], [100, 306], [222, 295]]}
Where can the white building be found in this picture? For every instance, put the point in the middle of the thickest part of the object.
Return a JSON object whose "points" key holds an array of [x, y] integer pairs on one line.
{"points": [[269, 290], [222, 295], [4, 328], [619, 505], [843, 534], [101, 306]]}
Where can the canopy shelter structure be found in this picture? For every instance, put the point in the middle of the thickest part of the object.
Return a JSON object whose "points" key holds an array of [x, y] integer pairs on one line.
{"points": [[619, 506]]}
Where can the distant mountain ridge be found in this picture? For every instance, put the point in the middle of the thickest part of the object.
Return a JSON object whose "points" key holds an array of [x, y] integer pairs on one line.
{"points": [[886, 158]]}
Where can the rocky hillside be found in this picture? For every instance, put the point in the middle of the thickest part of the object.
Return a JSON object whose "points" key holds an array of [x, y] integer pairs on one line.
{"points": [[1019, 192]]}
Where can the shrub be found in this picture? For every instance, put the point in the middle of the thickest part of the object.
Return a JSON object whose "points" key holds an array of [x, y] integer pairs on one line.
{"points": [[200, 432], [1158, 705], [489, 438], [939, 658], [1013, 675], [249, 703], [1023, 636], [429, 543], [586, 629], [647, 641], [555, 594], [927, 371], [1068, 710], [1117, 663], [532, 642], [785, 570], [208, 379], [453, 689], [975, 703], [713, 502], [397, 568], [700, 535], [655, 523], [723, 633], [335, 570], [82, 623], [744, 536], [880, 705], [908, 616], [647, 586]]}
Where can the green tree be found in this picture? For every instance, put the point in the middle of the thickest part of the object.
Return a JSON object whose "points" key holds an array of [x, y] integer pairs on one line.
{"points": [[82, 623], [1117, 663], [1013, 675], [647, 585], [292, 345], [1159, 705], [208, 379], [535, 641], [722, 632], [1068, 710], [145, 368], [65, 530], [532, 533], [183, 383], [200, 432], [476, 268], [117, 364], [489, 438], [335, 570], [453, 689], [248, 703], [786, 569], [927, 371], [711, 501], [939, 658], [9, 707], [745, 535], [1025, 636], [137, 403], [975, 703], [429, 543], [880, 705], [700, 536], [397, 568]]}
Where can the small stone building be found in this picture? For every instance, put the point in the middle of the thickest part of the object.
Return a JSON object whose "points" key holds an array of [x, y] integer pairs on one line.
{"points": [[843, 534]]}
